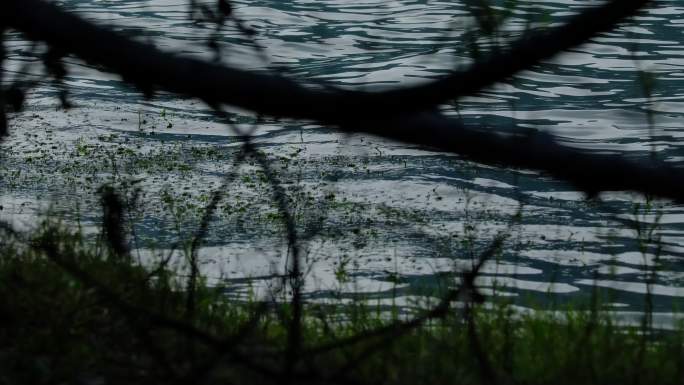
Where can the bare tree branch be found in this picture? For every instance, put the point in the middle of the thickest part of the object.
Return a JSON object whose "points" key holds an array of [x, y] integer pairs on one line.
{"points": [[391, 114], [590, 171], [273, 95]]}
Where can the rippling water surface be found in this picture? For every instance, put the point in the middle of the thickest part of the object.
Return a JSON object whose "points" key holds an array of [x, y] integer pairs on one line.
{"points": [[377, 217]]}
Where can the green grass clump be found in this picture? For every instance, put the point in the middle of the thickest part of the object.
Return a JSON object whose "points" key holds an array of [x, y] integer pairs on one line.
{"points": [[73, 312]]}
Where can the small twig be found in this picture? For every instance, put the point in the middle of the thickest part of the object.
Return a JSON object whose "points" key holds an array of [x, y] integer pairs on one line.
{"points": [[394, 330], [202, 231], [296, 281], [227, 345]]}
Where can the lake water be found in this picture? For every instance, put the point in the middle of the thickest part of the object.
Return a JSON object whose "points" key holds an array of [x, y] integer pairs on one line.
{"points": [[377, 217]]}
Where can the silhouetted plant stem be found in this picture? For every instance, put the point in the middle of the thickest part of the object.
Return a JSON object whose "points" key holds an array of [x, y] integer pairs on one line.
{"points": [[227, 346], [294, 274], [465, 290], [201, 232]]}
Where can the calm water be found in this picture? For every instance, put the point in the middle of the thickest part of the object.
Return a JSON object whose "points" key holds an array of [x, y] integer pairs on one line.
{"points": [[380, 218]]}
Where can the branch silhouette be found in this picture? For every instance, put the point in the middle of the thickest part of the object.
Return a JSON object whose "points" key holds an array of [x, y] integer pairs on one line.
{"points": [[267, 94], [404, 114]]}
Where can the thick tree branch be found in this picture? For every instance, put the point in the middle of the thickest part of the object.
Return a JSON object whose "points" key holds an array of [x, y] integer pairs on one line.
{"points": [[394, 114], [272, 95], [589, 171]]}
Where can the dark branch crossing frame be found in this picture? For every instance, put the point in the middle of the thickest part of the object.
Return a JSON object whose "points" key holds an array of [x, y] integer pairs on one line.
{"points": [[404, 114]]}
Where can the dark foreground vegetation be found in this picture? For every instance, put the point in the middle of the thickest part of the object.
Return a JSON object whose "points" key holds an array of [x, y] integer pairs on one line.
{"points": [[74, 313]]}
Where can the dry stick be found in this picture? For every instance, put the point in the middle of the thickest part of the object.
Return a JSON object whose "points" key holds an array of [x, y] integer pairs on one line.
{"points": [[202, 231], [196, 240], [207, 366], [294, 330], [389, 335], [113, 227], [487, 371], [226, 345], [279, 195], [222, 346], [163, 263], [295, 324], [203, 369], [389, 332], [143, 332]]}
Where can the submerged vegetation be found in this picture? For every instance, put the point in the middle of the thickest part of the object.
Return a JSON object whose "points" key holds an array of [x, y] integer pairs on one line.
{"points": [[80, 308]]}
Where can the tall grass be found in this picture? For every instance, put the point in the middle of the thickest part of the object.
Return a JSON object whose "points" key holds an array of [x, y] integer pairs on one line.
{"points": [[74, 312]]}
